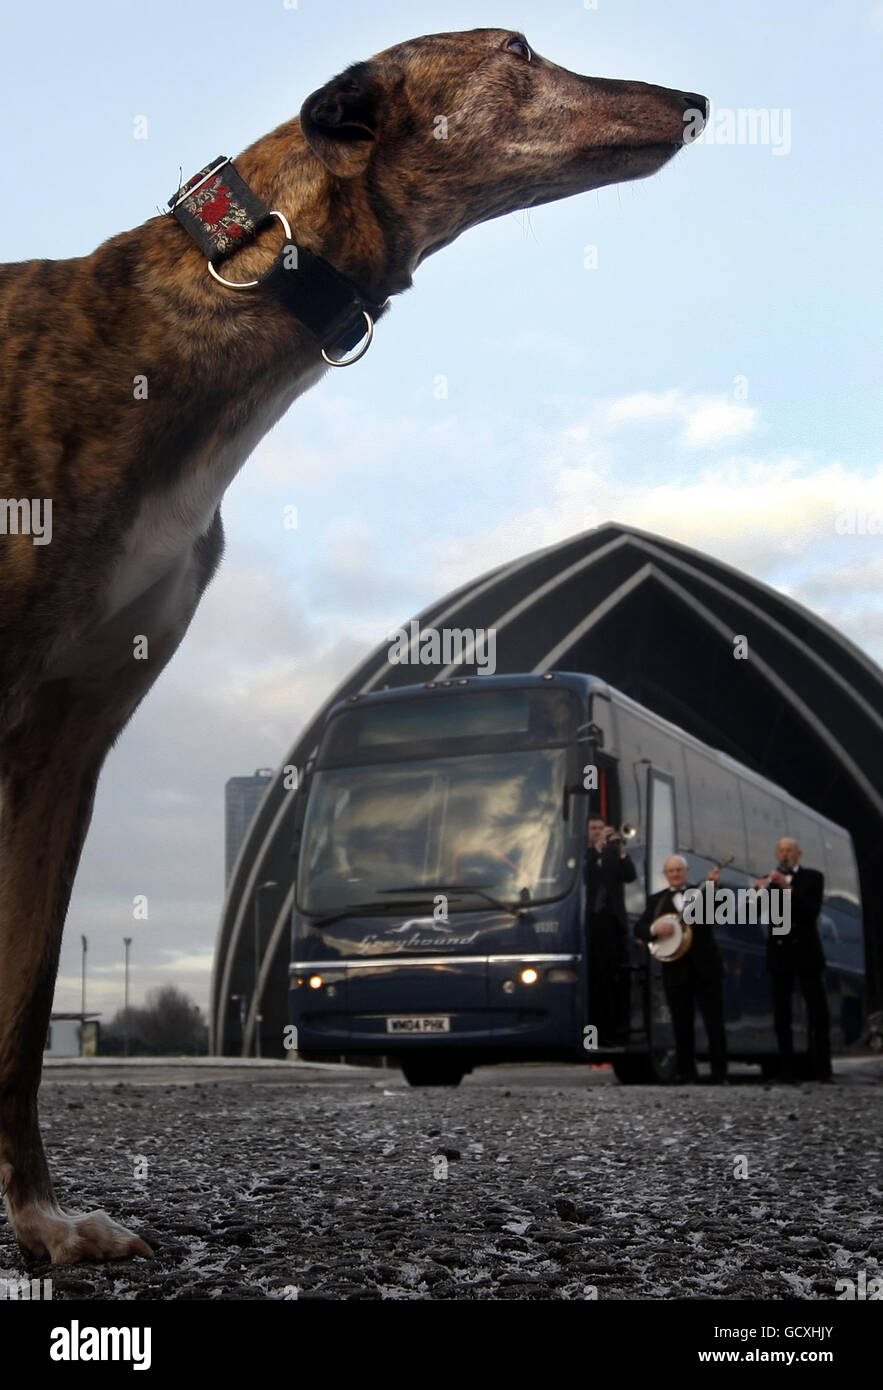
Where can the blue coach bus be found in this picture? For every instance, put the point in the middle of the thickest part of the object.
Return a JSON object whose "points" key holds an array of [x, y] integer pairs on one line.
{"points": [[440, 909]]}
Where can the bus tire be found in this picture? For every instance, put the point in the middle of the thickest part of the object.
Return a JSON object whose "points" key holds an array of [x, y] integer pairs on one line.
{"points": [[428, 1071]]}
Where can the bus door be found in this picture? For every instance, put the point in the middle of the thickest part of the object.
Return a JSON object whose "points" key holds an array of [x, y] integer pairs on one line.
{"points": [[607, 951], [662, 841]]}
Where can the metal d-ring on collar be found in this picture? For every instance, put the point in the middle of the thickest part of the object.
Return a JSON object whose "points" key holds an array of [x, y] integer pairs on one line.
{"points": [[250, 284], [348, 361]]}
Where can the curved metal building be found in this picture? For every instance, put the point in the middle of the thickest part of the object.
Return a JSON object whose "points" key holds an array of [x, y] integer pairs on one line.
{"points": [[658, 621]]}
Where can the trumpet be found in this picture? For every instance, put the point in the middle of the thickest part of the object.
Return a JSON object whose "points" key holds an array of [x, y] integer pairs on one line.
{"points": [[625, 832]]}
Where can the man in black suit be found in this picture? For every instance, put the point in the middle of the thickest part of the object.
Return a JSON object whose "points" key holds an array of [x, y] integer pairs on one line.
{"points": [[697, 978], [608, 867], [797, 957]]}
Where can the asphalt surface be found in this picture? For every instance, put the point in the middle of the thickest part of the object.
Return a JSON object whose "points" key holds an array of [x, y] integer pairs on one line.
{"points": [[536, 1182]]}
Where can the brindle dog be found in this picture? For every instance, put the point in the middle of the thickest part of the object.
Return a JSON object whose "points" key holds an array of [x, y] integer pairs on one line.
{"points": [[135, 483]]}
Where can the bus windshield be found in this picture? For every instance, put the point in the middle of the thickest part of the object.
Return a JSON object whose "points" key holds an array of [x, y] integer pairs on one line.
{"points": [[492, 821]]}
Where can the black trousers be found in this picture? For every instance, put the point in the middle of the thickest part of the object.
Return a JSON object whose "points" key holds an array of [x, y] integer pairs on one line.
{"points": [[684, 989], [812, 987], [608, 975]]}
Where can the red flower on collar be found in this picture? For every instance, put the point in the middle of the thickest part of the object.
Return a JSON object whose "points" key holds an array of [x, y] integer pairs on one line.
{"points": [[217, 207]]}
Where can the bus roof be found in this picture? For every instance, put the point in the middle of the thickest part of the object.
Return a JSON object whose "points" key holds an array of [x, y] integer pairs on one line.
{"points": [[575, 680]]}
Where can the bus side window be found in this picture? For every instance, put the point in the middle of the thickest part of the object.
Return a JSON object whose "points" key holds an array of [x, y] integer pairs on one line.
{"points": [[662, 830], [635, 896]]}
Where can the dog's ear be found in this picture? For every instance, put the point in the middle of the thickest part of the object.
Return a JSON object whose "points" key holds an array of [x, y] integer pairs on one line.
{"points": [[341, 120]]}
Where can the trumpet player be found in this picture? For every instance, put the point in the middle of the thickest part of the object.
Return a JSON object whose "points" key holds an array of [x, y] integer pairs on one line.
{"points": [[695, 979], [608, 868], [797, 958]]}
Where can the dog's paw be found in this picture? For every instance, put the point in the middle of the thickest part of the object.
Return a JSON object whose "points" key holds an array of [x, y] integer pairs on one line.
{"points": [[66, 1238]]}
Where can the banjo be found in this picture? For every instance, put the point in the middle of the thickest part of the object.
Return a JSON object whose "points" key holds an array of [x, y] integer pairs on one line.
{"points": [[675, 944]]}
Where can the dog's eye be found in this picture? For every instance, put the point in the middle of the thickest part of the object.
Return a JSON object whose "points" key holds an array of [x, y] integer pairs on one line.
{"points": [[519, 46]]}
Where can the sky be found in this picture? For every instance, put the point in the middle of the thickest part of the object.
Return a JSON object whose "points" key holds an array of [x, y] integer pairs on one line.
{"points": [[696, 354]]}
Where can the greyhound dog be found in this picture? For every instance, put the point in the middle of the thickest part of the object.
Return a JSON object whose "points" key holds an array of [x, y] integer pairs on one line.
{"points": [[134, 383]]}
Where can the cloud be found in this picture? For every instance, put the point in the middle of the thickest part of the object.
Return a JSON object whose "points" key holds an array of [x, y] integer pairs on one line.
{"points": [[715, 422], [704, 420], [863, 577], [350, 437], [791, 521], [355, 569]]}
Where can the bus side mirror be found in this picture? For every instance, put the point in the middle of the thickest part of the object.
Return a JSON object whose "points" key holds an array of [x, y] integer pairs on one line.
{"points": [[570, 791], [573, 781], [300, 810]]}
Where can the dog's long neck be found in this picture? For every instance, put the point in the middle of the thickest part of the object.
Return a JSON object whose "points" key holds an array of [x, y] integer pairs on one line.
{"points": [[222, 362]]}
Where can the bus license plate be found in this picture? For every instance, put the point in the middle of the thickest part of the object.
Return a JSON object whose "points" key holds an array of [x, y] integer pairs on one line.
{"points": [[402, 1023]]}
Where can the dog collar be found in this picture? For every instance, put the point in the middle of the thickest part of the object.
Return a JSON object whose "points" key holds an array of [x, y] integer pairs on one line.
{"points": [[221, 213]]}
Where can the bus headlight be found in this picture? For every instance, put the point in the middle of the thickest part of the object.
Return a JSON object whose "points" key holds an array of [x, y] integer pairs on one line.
{"points": [[529, 976], [315, 982]]}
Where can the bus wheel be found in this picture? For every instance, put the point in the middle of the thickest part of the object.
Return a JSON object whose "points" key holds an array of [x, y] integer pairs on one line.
{"points": [[663, 1065], [427, 1071]]}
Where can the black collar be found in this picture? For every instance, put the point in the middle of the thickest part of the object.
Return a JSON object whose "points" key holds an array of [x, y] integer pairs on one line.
{"points": [[220, 212]]}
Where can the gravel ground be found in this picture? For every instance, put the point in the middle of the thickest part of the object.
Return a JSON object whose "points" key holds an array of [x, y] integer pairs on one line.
{"points": [[523, 1183]]}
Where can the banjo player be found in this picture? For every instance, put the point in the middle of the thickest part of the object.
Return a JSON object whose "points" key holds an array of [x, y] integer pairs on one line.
{"points": [[696, 978]]}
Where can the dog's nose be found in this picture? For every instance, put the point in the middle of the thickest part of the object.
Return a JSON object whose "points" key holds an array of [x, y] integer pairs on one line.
{"points": [[693, 101]]}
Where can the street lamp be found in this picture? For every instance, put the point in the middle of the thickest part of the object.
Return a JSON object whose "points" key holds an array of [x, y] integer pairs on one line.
{"points": [[83, 982], [127, 941], [269, 883], [83, 996], [242, 1000]]}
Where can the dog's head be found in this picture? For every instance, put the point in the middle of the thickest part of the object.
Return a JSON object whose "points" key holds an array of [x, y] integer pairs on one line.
{"points": [[453, 129]]}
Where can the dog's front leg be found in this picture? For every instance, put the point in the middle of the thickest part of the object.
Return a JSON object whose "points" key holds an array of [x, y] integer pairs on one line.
{"points": [[50, 763]]}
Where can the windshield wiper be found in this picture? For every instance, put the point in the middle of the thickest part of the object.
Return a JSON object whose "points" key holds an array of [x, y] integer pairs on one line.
{"points": [[479, 889], [353, 910]]}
